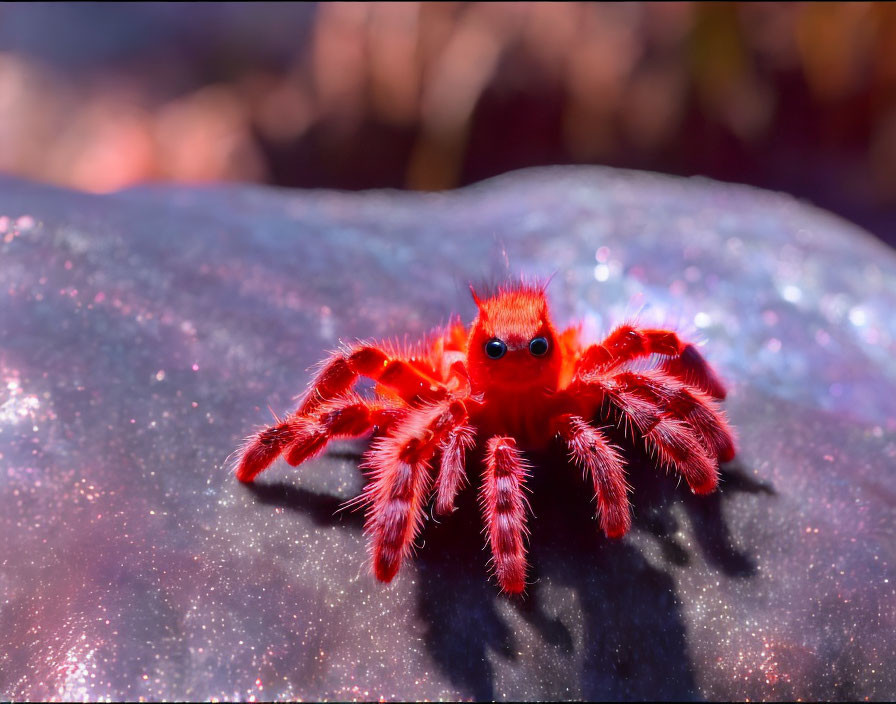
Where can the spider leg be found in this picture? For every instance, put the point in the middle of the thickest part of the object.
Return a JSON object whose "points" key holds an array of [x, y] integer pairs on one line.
{"points": [[260, 450], [627, 343], [339, 374], [687, 404], [400, 479], [591, 451], [452, 470], [675, 441], [342, 418], [305, 437], [504, 507]]}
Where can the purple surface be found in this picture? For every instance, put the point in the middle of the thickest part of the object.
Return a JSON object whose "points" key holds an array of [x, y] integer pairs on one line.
{"points": [[143, 334]]}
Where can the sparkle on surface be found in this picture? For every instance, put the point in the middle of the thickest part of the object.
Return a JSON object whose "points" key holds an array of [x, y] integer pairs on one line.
{"points": [[145, 333]]}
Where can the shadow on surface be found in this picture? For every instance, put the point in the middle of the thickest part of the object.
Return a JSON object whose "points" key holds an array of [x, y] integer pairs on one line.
{"points": [[634, 637], [324, 509]]}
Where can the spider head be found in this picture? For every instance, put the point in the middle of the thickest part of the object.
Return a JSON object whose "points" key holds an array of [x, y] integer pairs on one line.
{"points": [[513, 344]]}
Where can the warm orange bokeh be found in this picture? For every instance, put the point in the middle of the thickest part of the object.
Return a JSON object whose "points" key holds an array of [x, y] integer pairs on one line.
{"points": [[628, 83]]}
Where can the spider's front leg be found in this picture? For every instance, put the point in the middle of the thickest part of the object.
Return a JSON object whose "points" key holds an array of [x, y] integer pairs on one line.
{"points": [[304, 437], [343, 369], [627, 343], [332, 383]]}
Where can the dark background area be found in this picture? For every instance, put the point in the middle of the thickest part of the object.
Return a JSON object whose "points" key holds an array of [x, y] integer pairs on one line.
{"points": [[799, 97]]}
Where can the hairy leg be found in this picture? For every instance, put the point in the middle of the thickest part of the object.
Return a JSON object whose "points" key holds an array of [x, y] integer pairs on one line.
{"points": [[347, 417], [400, 479], [452, 469], [683, 403], [591, 451], [339, 374], [397, 497], [504, 507], [674, 441], [627, 343], [304, 437]]}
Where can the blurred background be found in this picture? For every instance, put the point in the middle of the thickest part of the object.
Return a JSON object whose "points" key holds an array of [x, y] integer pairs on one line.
{"points": [[799, 97]]}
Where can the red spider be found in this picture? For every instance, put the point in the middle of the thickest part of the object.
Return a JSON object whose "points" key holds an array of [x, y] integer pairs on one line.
{"points": [[515, 383]]}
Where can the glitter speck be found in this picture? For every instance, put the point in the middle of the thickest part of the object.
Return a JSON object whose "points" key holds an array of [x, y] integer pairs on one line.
{"points": [[791, 293], [195, 367], [601, 272], [857, 316], [17, 406], [702, 319], [160, 375]]}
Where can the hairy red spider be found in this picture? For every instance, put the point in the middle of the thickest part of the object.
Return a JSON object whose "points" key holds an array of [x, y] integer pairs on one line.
{"points": [[512, 382]]}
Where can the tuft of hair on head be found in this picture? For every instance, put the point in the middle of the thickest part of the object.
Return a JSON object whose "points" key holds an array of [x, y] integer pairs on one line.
{"points": [[486, 290], [476, 299]]}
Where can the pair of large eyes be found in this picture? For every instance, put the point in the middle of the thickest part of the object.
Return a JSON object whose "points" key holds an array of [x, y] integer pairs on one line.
{"points": [[496, 348]]}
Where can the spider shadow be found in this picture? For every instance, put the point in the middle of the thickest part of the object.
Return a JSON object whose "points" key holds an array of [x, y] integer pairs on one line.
{"points": [[634, 638], [323, 509], [631, 639]]}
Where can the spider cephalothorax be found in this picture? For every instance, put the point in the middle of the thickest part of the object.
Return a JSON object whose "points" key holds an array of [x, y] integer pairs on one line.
{"points": [[511, 382]]}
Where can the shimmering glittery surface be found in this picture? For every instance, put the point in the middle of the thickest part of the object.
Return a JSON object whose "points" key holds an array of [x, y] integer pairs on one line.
{"points": [[143, 334]]}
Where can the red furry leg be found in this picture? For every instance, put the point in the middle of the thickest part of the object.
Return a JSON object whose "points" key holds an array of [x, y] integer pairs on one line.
{"points": [[504, 507], [452, 471], [305, 437], [591, 451], [689, 405], [627, 343], [400, 480], [675, 442], [343, 418], [396, 514], [676, 445], [259, 452], [340, 373], [691, 367]]}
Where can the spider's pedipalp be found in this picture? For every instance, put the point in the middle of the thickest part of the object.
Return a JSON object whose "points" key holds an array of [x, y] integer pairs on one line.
{"points": [[504, 508], [591, 451]]}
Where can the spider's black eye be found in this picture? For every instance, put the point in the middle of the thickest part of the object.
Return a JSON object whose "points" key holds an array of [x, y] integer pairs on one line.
{"points": [[539, 346], [495, 348]]}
